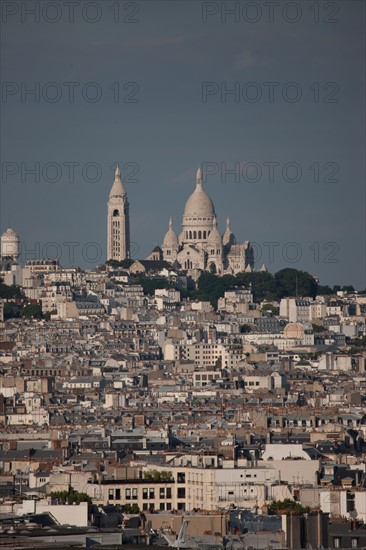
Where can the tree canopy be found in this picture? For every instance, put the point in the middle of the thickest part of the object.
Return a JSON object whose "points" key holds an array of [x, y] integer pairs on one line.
{"points": [[10, 292], [288, 505], [124, 264], [70, 496], [264, 285]]}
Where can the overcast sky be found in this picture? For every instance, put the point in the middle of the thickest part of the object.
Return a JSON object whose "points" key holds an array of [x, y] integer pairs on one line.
{"points": [[146, 84]]}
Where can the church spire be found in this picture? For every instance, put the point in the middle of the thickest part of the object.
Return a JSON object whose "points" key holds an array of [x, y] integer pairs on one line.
{"points": [[199, 177], [117, 189]]}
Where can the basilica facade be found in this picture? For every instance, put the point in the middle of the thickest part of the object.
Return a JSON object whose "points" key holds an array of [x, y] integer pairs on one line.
{"points": [[200, 246]]}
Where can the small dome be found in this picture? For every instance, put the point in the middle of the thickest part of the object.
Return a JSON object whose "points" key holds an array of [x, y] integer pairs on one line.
{"points": [[214, 236], [170, 239], [117, 189], [10, 233], [199, 204], [228, 237]]}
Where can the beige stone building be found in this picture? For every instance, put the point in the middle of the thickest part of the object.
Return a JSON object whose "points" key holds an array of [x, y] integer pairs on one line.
{"points": [[118, 221], [200, 245]]}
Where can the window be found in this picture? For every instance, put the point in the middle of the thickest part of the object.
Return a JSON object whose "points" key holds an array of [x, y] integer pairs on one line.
{"points": [[145, 506], [168, 492], [134, 494], [118, 494], [354, 543], [350, 501], [181, 492], [162, 492], [128, 494], [337, 542], [144, 493], [162, 506], [181, 478], [168, 505], [151, 493], [110, 494]]}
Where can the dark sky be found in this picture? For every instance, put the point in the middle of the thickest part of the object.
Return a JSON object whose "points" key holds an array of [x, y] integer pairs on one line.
{"points": [[162, 56]]}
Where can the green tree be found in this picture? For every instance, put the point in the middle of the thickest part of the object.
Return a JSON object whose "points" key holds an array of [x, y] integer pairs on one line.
{"points": [[359, 342], [10, 292], [210, 288], [270, 307], [132, 508], [289, 506], [262, 283], [32, 310], [245, 329], [70, 496], [318, 328], [324, 290], [11, 310], [150, 285], [292, 282]]}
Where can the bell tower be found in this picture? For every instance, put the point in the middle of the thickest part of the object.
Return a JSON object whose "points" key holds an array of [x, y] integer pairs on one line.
{"points": [[118, 246]]}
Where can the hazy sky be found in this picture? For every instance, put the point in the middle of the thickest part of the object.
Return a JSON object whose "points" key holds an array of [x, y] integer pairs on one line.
{"points": [[146, 84]]}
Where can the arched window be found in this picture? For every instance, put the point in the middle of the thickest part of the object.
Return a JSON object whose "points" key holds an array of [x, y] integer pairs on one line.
{"points": [[200, 234], [190, 234], [204, 234], [195, 235], [115, 213]]}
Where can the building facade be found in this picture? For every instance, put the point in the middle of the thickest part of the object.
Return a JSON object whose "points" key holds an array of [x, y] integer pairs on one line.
{"points": [[200, 245]]}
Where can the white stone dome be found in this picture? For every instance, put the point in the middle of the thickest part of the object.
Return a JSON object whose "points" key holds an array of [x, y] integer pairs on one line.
{"points": [[10, 233], [199, 204], [214, 237], [170, 239]]}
